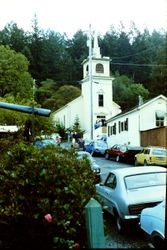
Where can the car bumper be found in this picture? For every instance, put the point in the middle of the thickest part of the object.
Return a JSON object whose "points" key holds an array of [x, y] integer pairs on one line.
{"points": [[131, 217]]}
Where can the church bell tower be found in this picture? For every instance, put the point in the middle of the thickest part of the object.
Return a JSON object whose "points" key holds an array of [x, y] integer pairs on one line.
{"points": [[96, 88]]}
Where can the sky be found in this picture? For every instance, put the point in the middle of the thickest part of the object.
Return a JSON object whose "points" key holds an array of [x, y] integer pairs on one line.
{"points": [[69, 16]]}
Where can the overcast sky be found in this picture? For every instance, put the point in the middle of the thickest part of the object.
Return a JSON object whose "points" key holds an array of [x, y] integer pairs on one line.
{"points": [[68, 16]]}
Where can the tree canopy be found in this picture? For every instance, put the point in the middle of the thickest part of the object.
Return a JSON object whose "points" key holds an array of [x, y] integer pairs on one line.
{"points": [[140, 56], [14, 76]]}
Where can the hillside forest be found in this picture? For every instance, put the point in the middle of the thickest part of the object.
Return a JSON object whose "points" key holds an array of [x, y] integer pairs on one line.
{"points": [[46, 67]]}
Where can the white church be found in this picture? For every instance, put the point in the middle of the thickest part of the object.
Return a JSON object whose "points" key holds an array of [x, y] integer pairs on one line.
{"points": [[95, 105]]}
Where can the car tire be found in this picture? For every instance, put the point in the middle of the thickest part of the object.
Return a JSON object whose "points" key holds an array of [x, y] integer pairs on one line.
{"points": [[92, 153], [136, 163], [107, 156], [145, 163], [119, 222], [117, 158], [158, 242]]}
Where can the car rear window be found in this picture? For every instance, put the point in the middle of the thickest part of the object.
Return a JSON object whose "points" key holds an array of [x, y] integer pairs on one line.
{"points": [[159, 152], [145, 180]]}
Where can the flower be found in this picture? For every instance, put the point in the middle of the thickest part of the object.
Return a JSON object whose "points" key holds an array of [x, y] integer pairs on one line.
{"points": [[48, 218]]}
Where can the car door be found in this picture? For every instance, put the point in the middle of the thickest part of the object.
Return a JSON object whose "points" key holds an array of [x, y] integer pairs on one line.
{"points": [[145, 157], [140, 157], [108, 194], [113, 152]]}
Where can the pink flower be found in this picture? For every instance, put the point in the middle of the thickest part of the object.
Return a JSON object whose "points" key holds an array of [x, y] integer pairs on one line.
{"points": [[48, 218]]}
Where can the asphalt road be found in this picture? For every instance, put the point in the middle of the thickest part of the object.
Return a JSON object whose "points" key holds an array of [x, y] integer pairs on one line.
{"points": [[133, 237]]}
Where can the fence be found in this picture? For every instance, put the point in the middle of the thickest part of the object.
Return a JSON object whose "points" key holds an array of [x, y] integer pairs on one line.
{"points": [[154, 137]]}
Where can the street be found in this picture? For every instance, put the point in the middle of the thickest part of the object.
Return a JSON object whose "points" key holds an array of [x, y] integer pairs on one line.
{"points": [[133, 237], [107, 165]]}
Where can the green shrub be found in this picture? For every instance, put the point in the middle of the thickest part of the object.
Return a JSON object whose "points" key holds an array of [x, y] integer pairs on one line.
{"points": [[36, 182]]}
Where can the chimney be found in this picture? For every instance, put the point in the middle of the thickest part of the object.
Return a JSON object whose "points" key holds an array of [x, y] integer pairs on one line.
{"points": [[140, 100]]}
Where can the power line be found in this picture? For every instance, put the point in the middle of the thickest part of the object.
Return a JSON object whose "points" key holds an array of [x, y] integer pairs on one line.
{"points": [[137, 53], [141, 65]]}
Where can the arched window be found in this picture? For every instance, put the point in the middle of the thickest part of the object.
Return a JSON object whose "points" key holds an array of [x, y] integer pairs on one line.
{"points": [[99, 68]]}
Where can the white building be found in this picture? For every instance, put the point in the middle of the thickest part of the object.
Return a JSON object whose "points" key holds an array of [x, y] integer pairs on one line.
{"points": [[96, 101], [126, 128]]}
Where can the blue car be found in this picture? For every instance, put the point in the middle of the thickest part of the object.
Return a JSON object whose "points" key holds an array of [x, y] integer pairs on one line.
{"points": [[97, 147], [152, 222], [41, 143]]}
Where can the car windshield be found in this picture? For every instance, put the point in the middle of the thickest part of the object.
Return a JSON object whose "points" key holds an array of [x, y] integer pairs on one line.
{"points": [[123, 148], [100, 144], [145, 180]]}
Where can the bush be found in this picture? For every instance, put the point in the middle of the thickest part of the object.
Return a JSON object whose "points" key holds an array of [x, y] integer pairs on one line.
{"points": [[37, 182]]}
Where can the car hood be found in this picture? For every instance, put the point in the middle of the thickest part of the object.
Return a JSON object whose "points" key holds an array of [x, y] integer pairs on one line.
{"points": [[147, 194]]}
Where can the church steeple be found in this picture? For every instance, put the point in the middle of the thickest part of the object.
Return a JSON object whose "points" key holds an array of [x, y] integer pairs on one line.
{"points": [[96, 48]]}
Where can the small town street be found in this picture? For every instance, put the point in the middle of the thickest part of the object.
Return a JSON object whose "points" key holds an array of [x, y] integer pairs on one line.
{"points": [[133, 238]]}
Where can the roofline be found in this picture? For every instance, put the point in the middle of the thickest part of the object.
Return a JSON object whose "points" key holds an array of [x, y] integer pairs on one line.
{"points": [[105, 58], [137, 108], [66, 105]]}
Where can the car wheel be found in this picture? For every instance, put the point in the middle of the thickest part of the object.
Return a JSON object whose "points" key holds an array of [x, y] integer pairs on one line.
{"points": [[117, 158], [158, 242], [145, 163], [119, 224], [136, 162], [107, 156], [92, 153]]}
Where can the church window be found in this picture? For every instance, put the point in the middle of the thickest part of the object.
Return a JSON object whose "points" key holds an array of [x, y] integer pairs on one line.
{"points": [[99, 68], [101, 100]]}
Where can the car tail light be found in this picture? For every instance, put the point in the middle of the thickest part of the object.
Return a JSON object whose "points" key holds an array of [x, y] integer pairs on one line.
{"points": [[137, 208]]}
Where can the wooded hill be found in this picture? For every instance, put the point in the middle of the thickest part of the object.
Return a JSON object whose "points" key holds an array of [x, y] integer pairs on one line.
{"points": [[55, 62]]}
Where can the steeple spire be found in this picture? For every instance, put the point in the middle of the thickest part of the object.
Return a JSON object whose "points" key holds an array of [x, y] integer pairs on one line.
{"points": [[96, 48]]}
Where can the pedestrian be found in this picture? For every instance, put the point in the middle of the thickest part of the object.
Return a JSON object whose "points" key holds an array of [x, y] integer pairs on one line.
{"points": [[58, 140]]}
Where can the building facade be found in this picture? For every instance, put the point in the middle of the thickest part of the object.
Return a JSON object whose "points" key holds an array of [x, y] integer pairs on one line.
{"points": [[127, 128]]}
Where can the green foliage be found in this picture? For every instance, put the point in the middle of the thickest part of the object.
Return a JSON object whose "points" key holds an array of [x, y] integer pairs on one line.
{"points": [[49, 96], [37, 182], [126, 93], [42, 125], [159, 74], [64, 95], [14, 76], [77, 128], [54, 56]]}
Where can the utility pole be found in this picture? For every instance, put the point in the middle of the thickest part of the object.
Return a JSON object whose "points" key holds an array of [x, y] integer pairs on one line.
{"points": [[90, 82], [33, 113]]}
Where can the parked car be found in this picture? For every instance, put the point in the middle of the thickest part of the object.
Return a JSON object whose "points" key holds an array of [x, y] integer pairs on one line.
{"points": [[96, 147], [152, 222], [41, 143], [152, 156], [124, 153], [94, 166], [127, 191]]}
